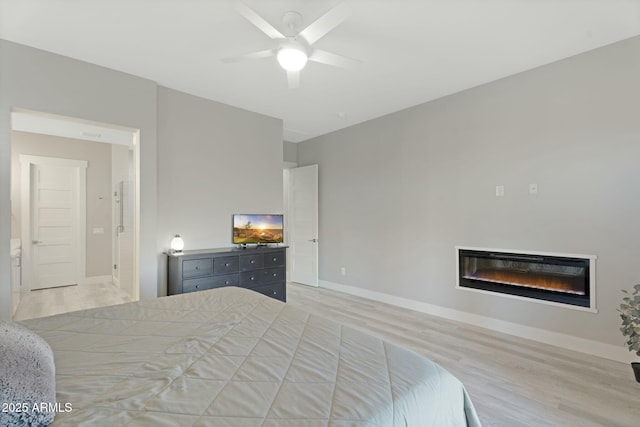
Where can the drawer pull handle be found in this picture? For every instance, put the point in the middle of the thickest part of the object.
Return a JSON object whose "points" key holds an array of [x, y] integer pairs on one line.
{"points": [[253, 278], [252, 261], [197, 286], [226, 282], [226, 264], [275, 258], [197, 267], [275, 274]]}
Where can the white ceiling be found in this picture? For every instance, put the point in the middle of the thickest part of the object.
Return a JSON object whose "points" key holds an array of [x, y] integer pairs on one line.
{"points": [[413, 51]]}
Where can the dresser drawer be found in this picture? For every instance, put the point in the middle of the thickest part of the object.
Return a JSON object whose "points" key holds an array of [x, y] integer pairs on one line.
{"points": [[271, 275], [274, 290], [192, 285], [250, 262], [274, 259], [197, 267], [250, 279], [261, 268], [227, 264], [225, 280]]}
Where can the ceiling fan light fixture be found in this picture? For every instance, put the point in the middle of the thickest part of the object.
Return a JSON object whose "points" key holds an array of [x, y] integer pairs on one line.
{"points": [[292, 58]]}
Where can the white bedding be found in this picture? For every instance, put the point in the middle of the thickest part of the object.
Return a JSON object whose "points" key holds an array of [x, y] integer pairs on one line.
{"points": [[233, 357]]}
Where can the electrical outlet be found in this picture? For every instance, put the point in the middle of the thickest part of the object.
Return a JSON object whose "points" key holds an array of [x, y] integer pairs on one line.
{"points": [[499, 190], [343, 271], [533, 188]]}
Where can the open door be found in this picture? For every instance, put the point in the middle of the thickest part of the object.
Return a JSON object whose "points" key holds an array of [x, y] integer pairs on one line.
{"points": [[303, 224]]}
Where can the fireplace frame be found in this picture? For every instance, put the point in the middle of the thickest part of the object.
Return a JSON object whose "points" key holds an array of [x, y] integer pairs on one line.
{"points": [[588, 303]]}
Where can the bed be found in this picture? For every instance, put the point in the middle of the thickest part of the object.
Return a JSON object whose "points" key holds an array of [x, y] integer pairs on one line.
{"points": [[233, 357]]}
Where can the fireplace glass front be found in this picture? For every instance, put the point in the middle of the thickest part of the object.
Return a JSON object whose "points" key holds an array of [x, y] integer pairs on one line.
{"points": [[551, 278]]}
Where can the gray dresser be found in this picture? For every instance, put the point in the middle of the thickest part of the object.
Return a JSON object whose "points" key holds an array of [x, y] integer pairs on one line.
{"points": [[261, 269]]}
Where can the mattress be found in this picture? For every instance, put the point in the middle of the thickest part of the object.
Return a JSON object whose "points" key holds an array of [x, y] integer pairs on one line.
{"points": [[233, 357]]}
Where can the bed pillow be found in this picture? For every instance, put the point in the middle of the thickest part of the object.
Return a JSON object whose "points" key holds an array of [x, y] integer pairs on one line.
{"points": [[27, 377]]}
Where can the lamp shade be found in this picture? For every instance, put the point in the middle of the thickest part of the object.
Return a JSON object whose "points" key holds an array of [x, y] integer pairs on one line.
{"points": [[292, 58], [177, 244]]}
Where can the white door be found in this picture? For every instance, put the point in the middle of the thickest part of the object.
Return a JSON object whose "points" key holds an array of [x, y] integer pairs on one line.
{"points": [[54, 221], [303, 205]]}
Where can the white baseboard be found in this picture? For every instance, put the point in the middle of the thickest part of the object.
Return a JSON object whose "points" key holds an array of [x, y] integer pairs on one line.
{"points": [[569, 342], [94, 280]]}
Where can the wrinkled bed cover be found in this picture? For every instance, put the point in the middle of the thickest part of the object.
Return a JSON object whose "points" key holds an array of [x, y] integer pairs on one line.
{"points": [[232, 357]]}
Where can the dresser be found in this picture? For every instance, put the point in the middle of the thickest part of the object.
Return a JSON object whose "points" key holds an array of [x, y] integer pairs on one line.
{"points": [[262, 269]]}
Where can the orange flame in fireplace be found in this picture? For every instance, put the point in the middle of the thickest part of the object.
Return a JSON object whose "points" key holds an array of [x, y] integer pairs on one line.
{"points": [[527, 280]]}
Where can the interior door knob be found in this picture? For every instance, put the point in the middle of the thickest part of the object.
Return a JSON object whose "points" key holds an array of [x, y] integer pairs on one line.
{"points": [[314, 240]]}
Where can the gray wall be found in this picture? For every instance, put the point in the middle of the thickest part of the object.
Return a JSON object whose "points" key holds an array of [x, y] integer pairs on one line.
{"points": [[289, 151], [98, 157], [399, 192], [41, 81], [213, 160]]}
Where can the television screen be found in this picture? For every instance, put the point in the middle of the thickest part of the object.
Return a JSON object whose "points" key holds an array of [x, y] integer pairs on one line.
{"points": [[257, 229]]}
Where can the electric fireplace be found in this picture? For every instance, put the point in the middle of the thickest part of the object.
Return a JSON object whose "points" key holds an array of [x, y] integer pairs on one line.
{"points": [[541, 276]]}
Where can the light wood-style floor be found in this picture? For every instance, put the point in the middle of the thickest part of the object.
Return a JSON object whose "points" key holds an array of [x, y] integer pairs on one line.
{"points": [[47, 302], [512, 381]]}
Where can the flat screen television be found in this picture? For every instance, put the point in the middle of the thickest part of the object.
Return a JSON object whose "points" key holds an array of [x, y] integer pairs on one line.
{"points": [[260, 229]]}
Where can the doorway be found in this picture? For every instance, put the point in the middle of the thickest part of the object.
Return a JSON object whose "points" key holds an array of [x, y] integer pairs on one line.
{"points": [[59, 247], [301, 189]]}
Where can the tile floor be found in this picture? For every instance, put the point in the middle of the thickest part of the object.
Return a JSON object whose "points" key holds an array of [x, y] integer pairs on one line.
{"points": [[47, 302]]}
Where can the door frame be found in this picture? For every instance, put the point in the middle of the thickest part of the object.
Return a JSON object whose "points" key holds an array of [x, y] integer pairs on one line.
{"points": [[26, 161]]}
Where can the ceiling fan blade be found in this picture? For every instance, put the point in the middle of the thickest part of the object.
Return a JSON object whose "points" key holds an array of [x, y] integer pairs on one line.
{"points": [[293, 78], [324, 57], [253, 55], [257, 20], [327, 22]]}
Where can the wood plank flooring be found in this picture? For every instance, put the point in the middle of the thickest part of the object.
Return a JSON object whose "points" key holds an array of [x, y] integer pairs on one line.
{"points": [[512, 381]]}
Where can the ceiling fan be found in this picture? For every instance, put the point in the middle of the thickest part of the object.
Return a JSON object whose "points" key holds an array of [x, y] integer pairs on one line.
{"points": [[294, 46]]}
